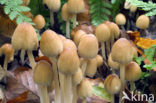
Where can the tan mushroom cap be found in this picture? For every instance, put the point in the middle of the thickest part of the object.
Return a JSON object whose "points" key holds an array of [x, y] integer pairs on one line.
{"points": [[69, 44], [62, 37], [99, 59], [43, 73], [91, 67], [68, 62], [75, 6], [39, 21], [133, 8], [133, 71], [77, 77], [53, 5], [64, 13], [143, 22], [112, 64], [88, 46], [102, 32], [8, 51], [84, 89], [50, 44], [112, 84], [120, 19], [78, 36], [24, 37], [122, 51]]}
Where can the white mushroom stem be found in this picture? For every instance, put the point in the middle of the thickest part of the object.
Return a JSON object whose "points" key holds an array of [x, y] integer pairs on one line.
{"points": [[68, 28], [112, 40], [84, 66], [132, 86], [43, 94], [51, 18], [22, 55], [67, 89], [74, 20], [108, 47], [31, 59], [103, 50], [112, 98], [62, 86], [122, 77], [5, 65], [56, 81], [75, 96]]}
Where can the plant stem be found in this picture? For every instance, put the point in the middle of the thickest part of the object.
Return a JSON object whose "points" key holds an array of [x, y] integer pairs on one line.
{"points": [[31, 59], [22, 55], [112, 98], [52, 18], [68, 28], [74, 20], [132, 86], [56, 80], [103, 50], [43, 93], [67, 89], [84, 66], [74, 94]]}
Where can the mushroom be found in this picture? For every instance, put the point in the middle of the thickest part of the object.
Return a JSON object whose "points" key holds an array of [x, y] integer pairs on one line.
{"points": [[87, 49], [76, 79], [74, 7], [114, 65], [8, 51], [77, 36], [120, 19], [69, 44], [122, 52], [66, 16], [54, 6], [43, 78], [102, 33], [132, 73], [133, 8], [112, 85], [99, 60], [51, 46], [84, 89], [39, 22], [68, 63], [25, 39]]}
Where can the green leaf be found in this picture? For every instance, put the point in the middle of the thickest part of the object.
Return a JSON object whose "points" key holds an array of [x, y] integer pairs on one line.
{"points": [[19, 20], [7, 9], [145, 75], [22, 9], [138, 60], [101, 92], [113, 1], [150, 53], [13, 15]]}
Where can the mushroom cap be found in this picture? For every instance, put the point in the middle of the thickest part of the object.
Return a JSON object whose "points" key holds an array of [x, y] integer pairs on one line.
{"points": [[120, 19], [99, 59], [62, 37], [91, 67], [77, 77], [78, 36], [53, 5], [43, 73], [68, 61], [50, 44], [127, 5], [133, 71], [102, 32], [112, 84], [84, 89], [39, 21], [8, 51], [24, 37], [88, 46], [69, 44], [75, 6], [112, 64], [122, 51], [65, 14], [133, 8], [114, 29], [143, 22]]}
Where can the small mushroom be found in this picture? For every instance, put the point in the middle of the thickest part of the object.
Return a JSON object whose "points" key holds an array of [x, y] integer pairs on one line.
{"points": [[112, 85], [120, 19], [77, 36], [43, 78], [74, 7], [133, 8], [99, 60], [132, 73]]}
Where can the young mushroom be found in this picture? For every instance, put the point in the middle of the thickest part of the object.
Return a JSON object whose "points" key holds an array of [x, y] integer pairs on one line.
{"points": [[122, 52], [25, 39], [51, 46], [68, 63], [74, 7], [132, 73], [99, 60], [88, 49], [112, 85], [102, 33], [77, 36], [43, 78], [120, 19]]}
